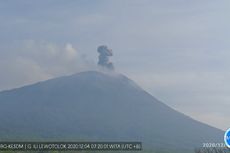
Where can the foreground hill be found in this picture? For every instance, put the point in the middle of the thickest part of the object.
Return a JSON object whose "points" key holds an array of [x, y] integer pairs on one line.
{"points": [[97, 106]]}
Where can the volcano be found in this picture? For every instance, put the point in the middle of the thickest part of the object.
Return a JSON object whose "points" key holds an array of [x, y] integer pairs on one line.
{"points": [[98, 106]]}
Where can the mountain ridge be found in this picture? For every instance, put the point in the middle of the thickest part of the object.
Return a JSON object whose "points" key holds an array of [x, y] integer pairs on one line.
{"points": [[103, 106]]}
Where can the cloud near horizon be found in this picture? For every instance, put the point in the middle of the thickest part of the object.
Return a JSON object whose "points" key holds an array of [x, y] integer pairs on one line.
{"points": [[36, 61]]}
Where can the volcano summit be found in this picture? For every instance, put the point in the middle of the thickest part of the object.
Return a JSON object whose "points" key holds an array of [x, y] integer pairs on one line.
{"points": [[98, 106]]}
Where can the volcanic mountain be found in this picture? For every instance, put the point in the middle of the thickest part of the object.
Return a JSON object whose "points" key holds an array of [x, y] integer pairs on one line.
{"points": [[97, 106]]}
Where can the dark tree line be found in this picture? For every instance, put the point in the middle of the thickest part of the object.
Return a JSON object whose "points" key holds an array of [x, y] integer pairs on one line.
{"points": [[212, 150]]}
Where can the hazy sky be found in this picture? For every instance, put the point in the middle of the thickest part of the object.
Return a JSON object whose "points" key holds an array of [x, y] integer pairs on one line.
{"points": [[177, 50]]}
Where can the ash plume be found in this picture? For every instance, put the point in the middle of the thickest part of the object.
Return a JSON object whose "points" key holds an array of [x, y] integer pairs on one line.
{"points": [[103, 58]]}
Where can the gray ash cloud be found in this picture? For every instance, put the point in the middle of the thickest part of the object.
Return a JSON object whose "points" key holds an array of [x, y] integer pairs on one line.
{"points": [[103, 58]]}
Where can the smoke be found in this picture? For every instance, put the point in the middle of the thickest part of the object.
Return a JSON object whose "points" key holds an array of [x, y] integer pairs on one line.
{"points": [[103, 58]]}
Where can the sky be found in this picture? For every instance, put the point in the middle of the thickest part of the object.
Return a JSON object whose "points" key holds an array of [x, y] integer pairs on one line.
{"points": [[176, 50]]}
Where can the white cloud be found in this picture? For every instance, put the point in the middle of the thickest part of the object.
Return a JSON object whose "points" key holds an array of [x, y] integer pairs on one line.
{"points": [[70, 52], [38, 60], [54, 58]]}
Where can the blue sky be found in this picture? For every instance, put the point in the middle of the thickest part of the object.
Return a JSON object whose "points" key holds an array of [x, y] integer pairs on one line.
{"points": [[176, 50]]}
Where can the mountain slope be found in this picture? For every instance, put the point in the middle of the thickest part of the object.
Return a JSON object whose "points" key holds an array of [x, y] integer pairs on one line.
{"points": [[98, 106]]}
